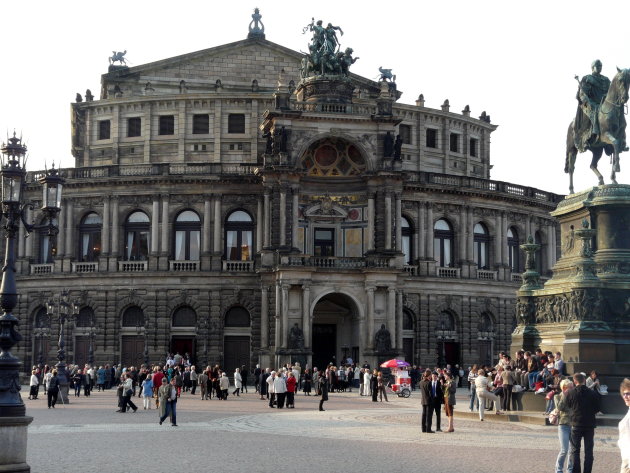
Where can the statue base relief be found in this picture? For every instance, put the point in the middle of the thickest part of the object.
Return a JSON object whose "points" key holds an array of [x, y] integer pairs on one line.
{"points": [[583, 311]]}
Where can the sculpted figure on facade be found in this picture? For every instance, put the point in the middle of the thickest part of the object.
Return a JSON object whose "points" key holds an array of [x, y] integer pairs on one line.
{"points": [[324, 56], [383, 340], [118, 56], [296, 337]]}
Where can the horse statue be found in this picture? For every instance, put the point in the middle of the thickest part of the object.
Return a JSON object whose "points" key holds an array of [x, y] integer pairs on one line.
{"points": [[612, 126], [118, 56]]}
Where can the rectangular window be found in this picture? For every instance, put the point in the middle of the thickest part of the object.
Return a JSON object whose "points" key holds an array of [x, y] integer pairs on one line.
{"points": [[236, 123], [201, 124], [104, 129], [134, 127], [236, 146], [324, 242], [167, 125], [454, 142], [474, 145], [405, 134], [432, 138]]}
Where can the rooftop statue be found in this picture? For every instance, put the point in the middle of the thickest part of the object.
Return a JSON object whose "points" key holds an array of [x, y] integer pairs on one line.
{"points": [[324, 55], [118, 56], [599, 125], [256, 27]]}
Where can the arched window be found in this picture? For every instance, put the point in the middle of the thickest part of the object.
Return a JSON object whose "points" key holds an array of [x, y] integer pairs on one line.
{"points": [[239, 236], [480, 247], [407, 233], [187, 234], [47, 245], [485, 324], [446, 322], [42, 319], [539, 252], [85, 317], [237, 317], [443, 243], [184, 316], [407, 320], [133, 317], [137, 233], [90, 237], [512, 243]]}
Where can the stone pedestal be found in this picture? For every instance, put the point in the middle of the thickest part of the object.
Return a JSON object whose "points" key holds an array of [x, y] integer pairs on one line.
{"points": [[583, 311], [13, 432]]}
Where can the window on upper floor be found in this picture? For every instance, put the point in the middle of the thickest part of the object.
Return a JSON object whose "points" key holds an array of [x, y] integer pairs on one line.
{"points": [[443, 243], [137, 233], [187, 236], [237, 317], [405, 134], [166, 125], [432, 136], [454, 143], [85, 317], [407, 233], [474, 147], [133, 317], [239, 236], [512, 243], [134, 127], [481, 239], [236, 123], [184, 316], [201, 124], [90, 237], [324, 242], [104, 128]]}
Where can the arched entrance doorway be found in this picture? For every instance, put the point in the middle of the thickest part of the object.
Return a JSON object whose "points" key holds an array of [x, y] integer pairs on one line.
{"points": [[335, 332]]}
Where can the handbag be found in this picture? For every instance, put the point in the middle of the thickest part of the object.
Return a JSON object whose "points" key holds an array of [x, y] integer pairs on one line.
{"points": [[553, 417]]}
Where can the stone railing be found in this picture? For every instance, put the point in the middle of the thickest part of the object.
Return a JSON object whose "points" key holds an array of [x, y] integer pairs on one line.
{"points": [[238, 266], [184, 266], [515, 277], [132, 266], [487, 275], [411, 270], [47, 268], [337, 262], [91, 267], [448, 273]]}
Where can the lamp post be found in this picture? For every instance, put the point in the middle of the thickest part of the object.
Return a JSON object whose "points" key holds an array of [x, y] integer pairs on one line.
{"points": [[60, 307], [40, 333], [13, 419]]}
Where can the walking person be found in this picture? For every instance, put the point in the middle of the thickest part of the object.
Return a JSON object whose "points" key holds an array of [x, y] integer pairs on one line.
{"points": [[380, 383], [78, 380], [202, 379], [564, 425], [34, 387], [127, 393], [238, 382], [450, 388], [323, 390], [583, 403], [168, 401], [244, 376], [481, 384], [147, 391], [624, 428], [53, 389]]}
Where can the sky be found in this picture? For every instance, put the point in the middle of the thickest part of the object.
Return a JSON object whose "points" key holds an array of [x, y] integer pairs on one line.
{"points": [[516, 60]]}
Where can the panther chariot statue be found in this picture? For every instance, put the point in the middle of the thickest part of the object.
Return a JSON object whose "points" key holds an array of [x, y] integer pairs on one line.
{"points": [[118, 56], [325, 55], [600, 124]]}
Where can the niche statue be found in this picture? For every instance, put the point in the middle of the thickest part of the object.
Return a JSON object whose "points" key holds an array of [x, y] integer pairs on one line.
{"points": [[296, 337], [383, 340]]}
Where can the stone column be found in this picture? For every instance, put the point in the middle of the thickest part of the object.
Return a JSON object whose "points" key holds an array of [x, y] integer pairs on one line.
{"points": [[554, 242], [399, 320], [69, 227], [370, 222], [463, 241], [106, 232], [285, 315], [259, 225], [421, 229], [267, 223], [306, 315], [165, 202], [398, 222], [388, 221], [264, 318], [549, 246], [61, 241], [207, 223], [283, 217], [115, 227], [391, 313], [28, 250], [498, 241], [295, 217], [216, 241], [504, 257], [278, 316], [370, 317], [155, 225], [429, 228]]}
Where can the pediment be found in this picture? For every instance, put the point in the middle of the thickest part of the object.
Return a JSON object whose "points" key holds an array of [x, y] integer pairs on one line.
{"points": [[326, 209]]}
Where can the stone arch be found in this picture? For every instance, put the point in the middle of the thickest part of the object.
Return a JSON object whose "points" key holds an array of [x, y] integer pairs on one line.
{"points": [[365, 153], [319, 297]]}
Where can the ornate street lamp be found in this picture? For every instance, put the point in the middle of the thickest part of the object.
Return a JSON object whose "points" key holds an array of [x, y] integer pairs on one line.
{"points": [[12, 410], [61, 308]]}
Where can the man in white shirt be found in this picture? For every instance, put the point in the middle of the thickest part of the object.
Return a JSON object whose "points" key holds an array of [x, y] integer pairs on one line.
{"points": [[624, 428]]}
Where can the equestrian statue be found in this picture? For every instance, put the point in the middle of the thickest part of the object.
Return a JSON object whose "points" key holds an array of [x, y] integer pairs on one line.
{"points": [[600, 124]]}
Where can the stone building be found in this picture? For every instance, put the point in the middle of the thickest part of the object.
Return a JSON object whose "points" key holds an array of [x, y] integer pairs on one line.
{"points": [[227, 204]]}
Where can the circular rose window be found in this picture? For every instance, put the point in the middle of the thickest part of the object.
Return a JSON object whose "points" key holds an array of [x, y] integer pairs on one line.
{"points": [[326, 155]]}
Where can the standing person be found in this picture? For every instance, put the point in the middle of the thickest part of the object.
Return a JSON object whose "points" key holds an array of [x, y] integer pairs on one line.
{"points": [[168, 401], [147, 391], [291, 389], [34, 387], [624, 428], [127, 393], [472, 375], [238, 382], [507, 378], [203, 385], [308, 380], [224, 385], [315, 379], [257, 373], [564, 425], [271, 394], [374, 386], [583, 403], [280, 388], [323, 390], [367, 382], [244, 376], [53, 389], [437, 398], [427, 412], [450, 388], [361, 380], [194, 378], [78, 380], [262, 384], [481, 384], [381, 387]]}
